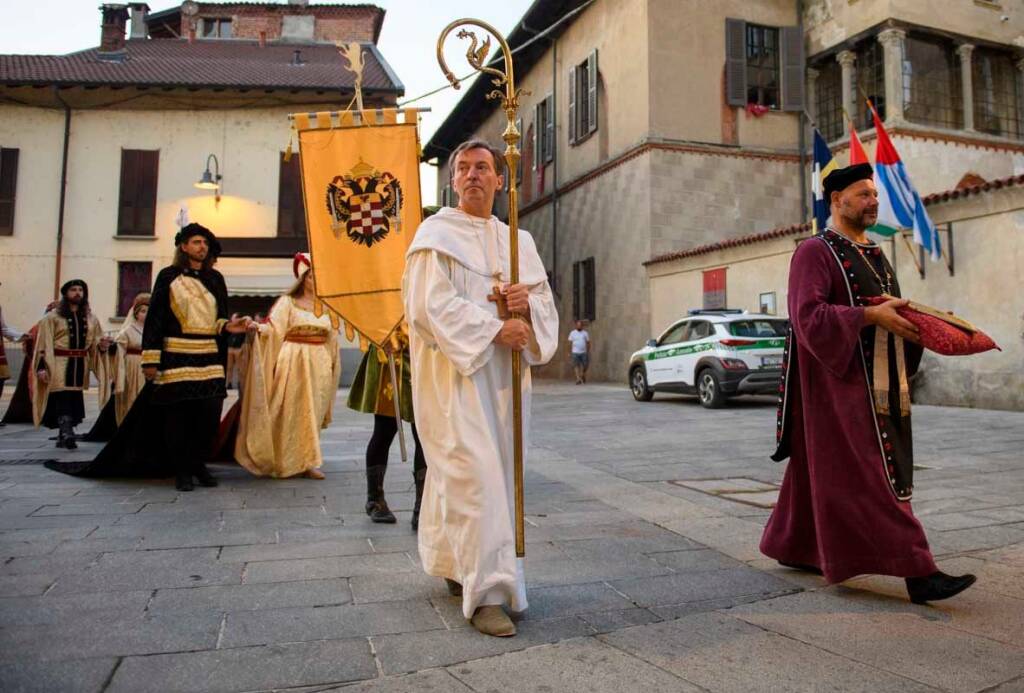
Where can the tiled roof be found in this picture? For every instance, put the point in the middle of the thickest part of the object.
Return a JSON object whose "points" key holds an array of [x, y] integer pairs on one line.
{"points": [[796, 229], [201, 64], [973, 190], [780, 232]]}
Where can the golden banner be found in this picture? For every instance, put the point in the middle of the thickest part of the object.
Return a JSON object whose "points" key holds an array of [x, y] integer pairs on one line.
{"points": [[361, 186]]}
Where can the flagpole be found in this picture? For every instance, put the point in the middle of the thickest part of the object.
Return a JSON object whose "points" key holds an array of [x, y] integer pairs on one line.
{"points": [[504, 89]]}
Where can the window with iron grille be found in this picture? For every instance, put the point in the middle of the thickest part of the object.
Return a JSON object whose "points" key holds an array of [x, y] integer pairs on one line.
{"points": [[996, 93], [584, 290], [216, 28], [763, 65], [931, 83], [8, 189], [870, 82], [830, 100], [133, 278]]}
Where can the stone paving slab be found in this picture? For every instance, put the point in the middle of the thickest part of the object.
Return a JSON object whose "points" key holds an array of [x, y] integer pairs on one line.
{"points": [[718, 652], [262, 585], [72, 676], [248, 668], [581, 665]]}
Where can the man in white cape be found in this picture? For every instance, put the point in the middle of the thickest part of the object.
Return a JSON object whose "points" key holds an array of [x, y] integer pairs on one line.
{"points": [[462, 385]]}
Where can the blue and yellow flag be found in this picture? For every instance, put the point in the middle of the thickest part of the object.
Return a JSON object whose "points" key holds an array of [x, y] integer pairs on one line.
{"points": [[823, 165]]}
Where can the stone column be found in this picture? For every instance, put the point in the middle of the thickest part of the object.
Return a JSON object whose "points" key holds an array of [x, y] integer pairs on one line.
{"points": [[846, 60], [892, 41], [964, 50], [812, 93]]}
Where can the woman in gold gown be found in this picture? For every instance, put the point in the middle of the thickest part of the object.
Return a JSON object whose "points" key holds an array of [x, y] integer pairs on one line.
{"points": [[290, 383], [128, 377]]}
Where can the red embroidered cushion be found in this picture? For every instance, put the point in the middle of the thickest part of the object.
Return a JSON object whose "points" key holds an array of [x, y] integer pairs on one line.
{"points": [[940, 336]]}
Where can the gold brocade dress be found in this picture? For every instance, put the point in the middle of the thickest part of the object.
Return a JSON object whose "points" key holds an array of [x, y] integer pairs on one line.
{"points": [[128, 377], [291, 380]]}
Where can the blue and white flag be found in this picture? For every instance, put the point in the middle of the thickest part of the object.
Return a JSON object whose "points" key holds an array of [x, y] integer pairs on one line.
{"points": [[823, 165], [899, 205]]}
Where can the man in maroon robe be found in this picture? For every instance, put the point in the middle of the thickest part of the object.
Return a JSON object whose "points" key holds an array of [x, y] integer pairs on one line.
{"points": [[844, 410]]}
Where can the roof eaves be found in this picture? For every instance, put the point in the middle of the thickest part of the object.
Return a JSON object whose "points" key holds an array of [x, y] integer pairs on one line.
{"points": [[541, 14], [399, 88]]}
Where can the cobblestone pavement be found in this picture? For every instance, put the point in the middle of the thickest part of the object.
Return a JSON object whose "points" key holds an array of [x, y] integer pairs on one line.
{"points": [[642, 565]]}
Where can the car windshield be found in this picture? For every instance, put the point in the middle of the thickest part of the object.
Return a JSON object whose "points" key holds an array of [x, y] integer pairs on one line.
{"points": [[758, 328]]}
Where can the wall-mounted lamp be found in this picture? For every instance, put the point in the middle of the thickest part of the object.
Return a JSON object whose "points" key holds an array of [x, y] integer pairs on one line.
{"points": [[210, 180]]}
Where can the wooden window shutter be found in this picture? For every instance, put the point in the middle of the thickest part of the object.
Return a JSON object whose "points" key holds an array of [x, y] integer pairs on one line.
{"points": [[145, 220], [8, 189], [735, 62], [792, 53], [538, 128], [549, 129], [572, 104], [577, 280], [291, 218], [592, 92], [590, 282], [137, 201], [126, 201]]}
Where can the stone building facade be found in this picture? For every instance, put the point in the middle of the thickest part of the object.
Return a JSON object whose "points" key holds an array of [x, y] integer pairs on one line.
{"points": [[702, 127]]}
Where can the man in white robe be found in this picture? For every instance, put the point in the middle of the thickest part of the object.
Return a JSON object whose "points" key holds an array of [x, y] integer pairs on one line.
{"points": [[462, 386]]}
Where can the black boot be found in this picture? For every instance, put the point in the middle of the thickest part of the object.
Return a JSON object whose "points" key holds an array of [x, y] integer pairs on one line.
{"points": [[66, 433], [183, 481], [937, 586], [376, 506], [203, 476], [420, 477]]}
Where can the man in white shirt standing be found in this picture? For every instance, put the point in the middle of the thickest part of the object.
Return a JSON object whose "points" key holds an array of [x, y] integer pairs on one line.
{"points": [[579, 340]]}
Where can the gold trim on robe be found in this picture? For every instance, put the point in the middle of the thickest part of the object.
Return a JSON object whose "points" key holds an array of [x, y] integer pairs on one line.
{"points": [[180, 345], [177, 375], [194, 307]]}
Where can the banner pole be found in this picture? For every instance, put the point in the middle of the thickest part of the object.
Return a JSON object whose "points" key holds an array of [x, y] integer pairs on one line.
{"points": [[396, 398]]}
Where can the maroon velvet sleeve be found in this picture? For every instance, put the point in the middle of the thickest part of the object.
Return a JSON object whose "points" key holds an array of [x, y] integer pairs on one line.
{"points": [[829, 331]]}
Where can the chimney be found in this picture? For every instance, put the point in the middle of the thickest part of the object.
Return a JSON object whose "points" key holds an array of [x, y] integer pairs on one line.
{"points": [[115, 18], [139, 28]]}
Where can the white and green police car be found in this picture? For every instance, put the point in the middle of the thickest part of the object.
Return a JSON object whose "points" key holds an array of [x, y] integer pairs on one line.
{"points": [[713, 354]]}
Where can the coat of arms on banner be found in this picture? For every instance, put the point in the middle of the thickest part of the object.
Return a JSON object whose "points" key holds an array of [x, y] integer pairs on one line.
{"points": [[365, 203]]}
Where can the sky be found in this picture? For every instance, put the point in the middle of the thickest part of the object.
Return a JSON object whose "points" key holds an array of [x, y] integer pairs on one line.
{"points": [[408, 42]]}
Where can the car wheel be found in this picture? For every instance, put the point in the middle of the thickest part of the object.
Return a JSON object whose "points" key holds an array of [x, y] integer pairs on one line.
{"points": [[709, 390], [638, 385]]}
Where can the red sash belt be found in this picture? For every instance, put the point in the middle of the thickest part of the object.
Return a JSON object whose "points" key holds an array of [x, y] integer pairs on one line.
{"points": [[131, 351], [306, 339], [71, 353]]}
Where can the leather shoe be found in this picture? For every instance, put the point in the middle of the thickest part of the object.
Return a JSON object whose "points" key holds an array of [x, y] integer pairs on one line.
{"points": [[492, 620], [380, 512], [937, 586]]}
